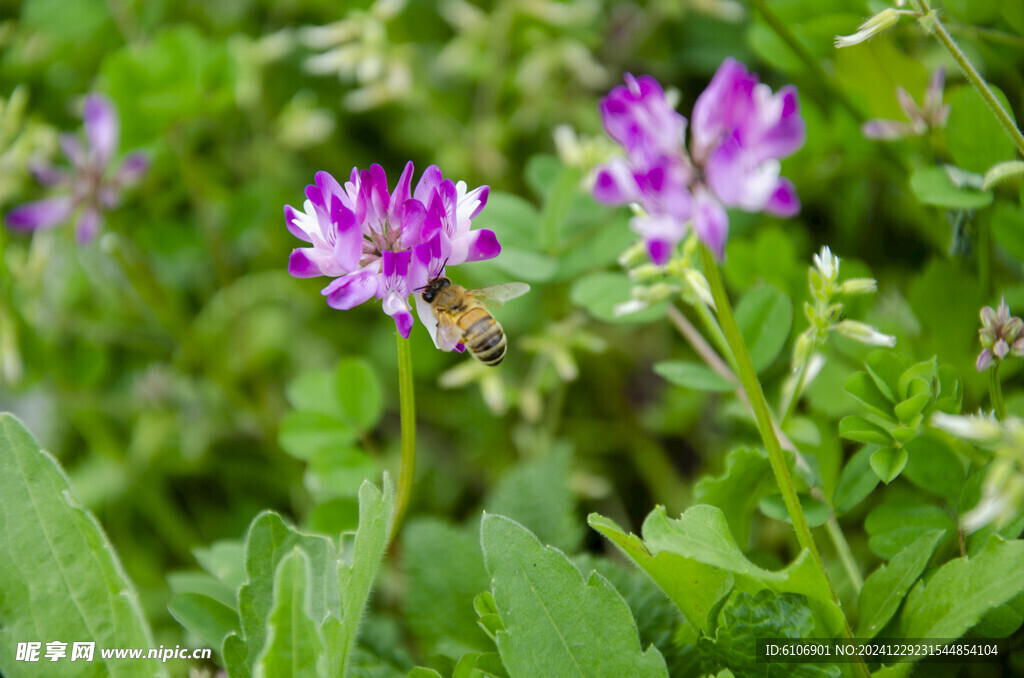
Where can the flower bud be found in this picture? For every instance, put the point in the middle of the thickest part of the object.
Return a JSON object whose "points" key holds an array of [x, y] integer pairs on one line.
{"points": [[866, 334], [855, 286], [876, 25], [699, 284]]}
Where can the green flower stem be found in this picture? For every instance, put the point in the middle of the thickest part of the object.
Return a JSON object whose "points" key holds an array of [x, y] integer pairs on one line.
{"points": [[714, 331], [407, 412], [933, 23], [844, 553], [995, 392], [795, 398], [752, 386]]}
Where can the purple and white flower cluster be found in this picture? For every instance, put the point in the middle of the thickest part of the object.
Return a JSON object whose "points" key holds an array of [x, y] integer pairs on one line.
{"points": [[88, 185], [385, 245], [740, 132]]}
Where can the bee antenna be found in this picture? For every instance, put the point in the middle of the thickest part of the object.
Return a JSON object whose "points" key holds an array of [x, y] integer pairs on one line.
{"points": [[421, 287]]}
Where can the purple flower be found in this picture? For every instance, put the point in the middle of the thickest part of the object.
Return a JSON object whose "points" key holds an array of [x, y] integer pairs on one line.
{"points": [[1000, 335], [87, 185], [739, 133], [385, 245], [932, 114]]}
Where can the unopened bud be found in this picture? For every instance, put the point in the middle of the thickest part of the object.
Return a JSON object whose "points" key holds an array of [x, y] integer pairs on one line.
{"points": [[855, 286], [866, 334], [876, 25], [978, 429], [802, 350], [699, 284], [635, 255]]}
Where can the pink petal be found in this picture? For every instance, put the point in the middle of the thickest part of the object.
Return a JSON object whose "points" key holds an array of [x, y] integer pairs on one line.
{"points": [[101, 127], [615, 183], [711, 223], [309, 262], [413, 218], [396, 307], [351, 290], [984, 360], [132, 169], [290, 216], [348, 241], [474, 246], [783, 201], [886, 130], [402, 193], [40, 214], [87, 225], [429, 181], [72, 148]]}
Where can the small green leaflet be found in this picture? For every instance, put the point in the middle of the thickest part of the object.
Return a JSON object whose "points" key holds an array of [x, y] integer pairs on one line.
{"points": [[556, 623], [885, 588]]}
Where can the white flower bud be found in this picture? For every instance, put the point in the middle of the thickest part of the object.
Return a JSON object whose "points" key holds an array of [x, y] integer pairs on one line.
{"points": [[876, 25], [979, 429], [699, 284], [827, 263], [855, 286], [866, 334]]}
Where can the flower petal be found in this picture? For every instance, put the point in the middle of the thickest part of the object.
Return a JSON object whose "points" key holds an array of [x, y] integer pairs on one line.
{"points": [[132, 169], [88, 225], [351, 290], [348, 242], [101, 127], [710, 222], [40, 214], [309, 262], [886, 130], [294, 220], [474, 246], [395, 305], [615, 183], [428, 182], [984, 360], [783, 201]]}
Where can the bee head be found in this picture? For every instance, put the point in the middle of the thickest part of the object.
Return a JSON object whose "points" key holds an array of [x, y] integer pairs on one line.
{"points": [[433, 287]]}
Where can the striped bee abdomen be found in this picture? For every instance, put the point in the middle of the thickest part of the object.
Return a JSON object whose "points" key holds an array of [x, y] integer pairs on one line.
{"points": [[483, 336]]}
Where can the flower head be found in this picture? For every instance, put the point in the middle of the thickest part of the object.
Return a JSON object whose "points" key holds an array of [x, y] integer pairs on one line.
{"points": [[931, 114], [384, 244], [1000, 335], [90, 185], [739, 133]]}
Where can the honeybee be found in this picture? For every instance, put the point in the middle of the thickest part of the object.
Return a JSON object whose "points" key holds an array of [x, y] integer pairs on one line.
{"points": [[463, 319]]}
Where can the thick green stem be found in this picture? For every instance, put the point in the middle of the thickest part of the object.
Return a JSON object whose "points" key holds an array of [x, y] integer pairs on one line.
{"points": [[936, 27], [407, 413], [752, 386], [995, 392]]}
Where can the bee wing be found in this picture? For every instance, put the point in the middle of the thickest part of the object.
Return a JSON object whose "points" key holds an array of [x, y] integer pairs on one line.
{"points": [[448, 333], [496, 295]]}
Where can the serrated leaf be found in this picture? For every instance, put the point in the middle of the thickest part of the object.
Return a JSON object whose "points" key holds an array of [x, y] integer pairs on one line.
{"points": [[900, 521], [61, 578], [693, 586], [208, 618], [737, 491], [932, 186], [537, 494], [556, 622], [856, 481], [306, 434], [294, 645], [747, 617], [702, 535], [888, 463], [960, 592], [815, 511], [695, 376], [764, 316], [861, 386], [861, 430], [884, 590], [438, 603]]}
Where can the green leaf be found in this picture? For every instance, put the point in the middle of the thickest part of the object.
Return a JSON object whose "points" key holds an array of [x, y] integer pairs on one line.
{"points": [[974, 136], [737, 491], [359, 393], [305, 434], [693, 586], [861, 430], [901, 520], [1001, 172], [888, 462], [514, 220], [701, 534], [556, 622], [926, 371], [885, 588], [932, 186], [438, 603], [526, 265], [747, 617], [210, 619], [338, 472], [856, 481], [693, 376], [315, 391], [862, 387], [815, 510], [912, 406], [764, 316], [422, 672], [294, 645], [536, 493], [885, 368], [935, 468], [487, 614], [61, 578], [600, 293], [1008, 227], [960, 592]]}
